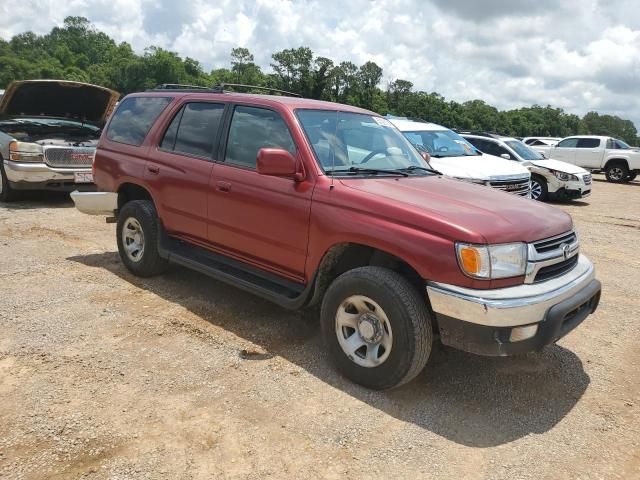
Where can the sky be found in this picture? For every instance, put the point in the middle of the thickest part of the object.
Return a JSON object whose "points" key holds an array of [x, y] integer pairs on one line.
{"points": [[579, 55]]}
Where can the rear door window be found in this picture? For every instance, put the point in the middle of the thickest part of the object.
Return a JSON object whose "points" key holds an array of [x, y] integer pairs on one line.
{"points": [[476, 142], [568, 143], [194, 130], [253, 128], [588, 143], [493, 148], [134, 117]]}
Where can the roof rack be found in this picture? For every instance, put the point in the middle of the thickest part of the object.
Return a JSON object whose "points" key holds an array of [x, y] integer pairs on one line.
{"points": [[179, 86], [413, 119], [222, 87], [479, 133]]}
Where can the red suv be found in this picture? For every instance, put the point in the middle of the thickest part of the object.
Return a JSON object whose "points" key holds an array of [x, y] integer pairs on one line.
{"points": [[304, 202]]}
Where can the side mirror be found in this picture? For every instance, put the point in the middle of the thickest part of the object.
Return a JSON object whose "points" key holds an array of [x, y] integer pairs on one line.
{"points": [[425, 155], [277, 162], [506, 156]]}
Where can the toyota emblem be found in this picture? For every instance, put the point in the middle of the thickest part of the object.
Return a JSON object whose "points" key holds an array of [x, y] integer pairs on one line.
{"points": [[566, 249]]}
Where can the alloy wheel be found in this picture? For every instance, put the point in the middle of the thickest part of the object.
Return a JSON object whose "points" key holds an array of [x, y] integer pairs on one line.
{"points": [[536, 190], [616, 173]]}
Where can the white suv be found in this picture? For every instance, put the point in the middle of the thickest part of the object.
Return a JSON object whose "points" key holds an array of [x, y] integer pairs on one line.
{"points": [[550, 179], [455, 157]]}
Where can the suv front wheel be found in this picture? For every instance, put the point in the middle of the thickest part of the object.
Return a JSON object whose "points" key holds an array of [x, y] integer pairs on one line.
{"points": [[377, 327], [137, 236], [539, 190]]}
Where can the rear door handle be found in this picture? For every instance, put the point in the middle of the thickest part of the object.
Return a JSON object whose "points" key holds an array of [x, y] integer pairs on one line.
{"points": [[153, 169], [223, 186]]}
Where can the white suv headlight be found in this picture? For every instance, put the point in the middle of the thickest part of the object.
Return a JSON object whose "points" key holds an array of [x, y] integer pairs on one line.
{"points": [[565, 177], [492, 261]]}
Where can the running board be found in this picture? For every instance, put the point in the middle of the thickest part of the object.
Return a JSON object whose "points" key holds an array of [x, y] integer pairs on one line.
{"points": [[283, 292]]}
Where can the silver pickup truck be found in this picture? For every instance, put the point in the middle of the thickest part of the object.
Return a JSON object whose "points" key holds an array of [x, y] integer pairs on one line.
{"points": [[49, 130]]}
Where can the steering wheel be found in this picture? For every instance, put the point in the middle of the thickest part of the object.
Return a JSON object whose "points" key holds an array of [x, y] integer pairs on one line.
{"points": [[443, 149], [373, 154]]}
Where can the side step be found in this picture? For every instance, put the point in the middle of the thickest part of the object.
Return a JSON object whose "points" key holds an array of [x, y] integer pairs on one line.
{"points": [[283, 292]]}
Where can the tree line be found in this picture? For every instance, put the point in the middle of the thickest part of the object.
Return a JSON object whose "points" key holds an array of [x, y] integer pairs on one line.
{"points": [[78, 51]]}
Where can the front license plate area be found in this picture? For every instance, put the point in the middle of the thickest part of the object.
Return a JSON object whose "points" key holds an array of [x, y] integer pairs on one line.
{"points": [[81, 177]]}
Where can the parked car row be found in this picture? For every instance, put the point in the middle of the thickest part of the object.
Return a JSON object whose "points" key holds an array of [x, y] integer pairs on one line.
{"points": [[619, 162], [550, 178], [496, 161]]}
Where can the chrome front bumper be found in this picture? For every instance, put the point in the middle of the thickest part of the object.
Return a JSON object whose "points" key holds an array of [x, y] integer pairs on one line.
{"points": [[95, 203], [511, 306], [39, 173]]}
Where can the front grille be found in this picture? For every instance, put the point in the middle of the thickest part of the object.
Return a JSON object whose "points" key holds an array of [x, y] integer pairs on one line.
{"points": [[518, 186], [587, 179], [556, 270], [550, 244], [67, 157]]}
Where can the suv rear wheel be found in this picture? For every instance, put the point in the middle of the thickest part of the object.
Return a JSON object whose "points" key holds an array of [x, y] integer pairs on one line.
{"points": [[137, 236], [617, 172], [377, 327]]}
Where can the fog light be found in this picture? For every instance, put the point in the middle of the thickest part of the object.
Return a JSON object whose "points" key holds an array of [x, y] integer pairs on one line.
{"points": [[522, 333]]}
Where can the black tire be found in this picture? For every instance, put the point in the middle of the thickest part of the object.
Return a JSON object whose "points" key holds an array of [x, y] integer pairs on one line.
{"points": [[617, 172], [408, 317], [149, 262], [631, 177], [7, 194], [543, 188]]}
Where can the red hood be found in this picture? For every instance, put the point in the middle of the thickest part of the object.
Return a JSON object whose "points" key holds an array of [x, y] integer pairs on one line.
{"points": [[470, 212]]}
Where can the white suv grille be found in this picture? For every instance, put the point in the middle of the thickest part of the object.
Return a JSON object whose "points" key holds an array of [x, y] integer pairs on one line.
{"points": [[519, 186]]}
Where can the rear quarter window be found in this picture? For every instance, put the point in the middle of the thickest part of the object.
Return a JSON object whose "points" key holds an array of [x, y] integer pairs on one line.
{"points": [[134, 117]]}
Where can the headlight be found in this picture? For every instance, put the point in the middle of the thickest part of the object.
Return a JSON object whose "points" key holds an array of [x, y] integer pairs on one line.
{"points": [[565, 177], [25, 152], [492, 261]]}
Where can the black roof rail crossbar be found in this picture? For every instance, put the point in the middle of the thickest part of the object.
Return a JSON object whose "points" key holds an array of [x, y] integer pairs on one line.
{"points": [[221, 88], [179, 86], [479, 133]]}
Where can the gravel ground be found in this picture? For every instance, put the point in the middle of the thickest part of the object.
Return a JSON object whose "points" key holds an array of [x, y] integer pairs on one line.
{"points": [[105, 375]]}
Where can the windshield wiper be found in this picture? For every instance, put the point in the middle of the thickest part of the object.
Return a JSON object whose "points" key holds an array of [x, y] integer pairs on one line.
{"points": [[368, 170], [425, 169]]}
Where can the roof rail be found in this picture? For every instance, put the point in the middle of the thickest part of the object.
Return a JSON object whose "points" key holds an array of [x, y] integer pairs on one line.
{"points": [[413, 119], [479, 133], [222, 86], [179, 86]]}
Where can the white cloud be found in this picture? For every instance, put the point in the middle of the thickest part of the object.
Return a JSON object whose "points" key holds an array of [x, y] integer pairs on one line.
{"points": [[579, 55]]}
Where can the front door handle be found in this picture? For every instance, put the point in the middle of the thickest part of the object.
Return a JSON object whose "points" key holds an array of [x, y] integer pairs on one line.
{"points": [[153, 169], [223, 186]]}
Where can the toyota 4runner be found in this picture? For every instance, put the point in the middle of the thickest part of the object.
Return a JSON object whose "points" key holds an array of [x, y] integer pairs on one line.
{"points": [[306, 203]]}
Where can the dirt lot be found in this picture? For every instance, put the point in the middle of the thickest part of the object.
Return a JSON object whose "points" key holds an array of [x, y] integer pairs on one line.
{"points": [[104, 375]]}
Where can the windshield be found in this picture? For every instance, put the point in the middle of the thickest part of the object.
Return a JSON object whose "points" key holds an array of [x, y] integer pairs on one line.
{"points": [[358, 144], [442, 143], [524, 151]]}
